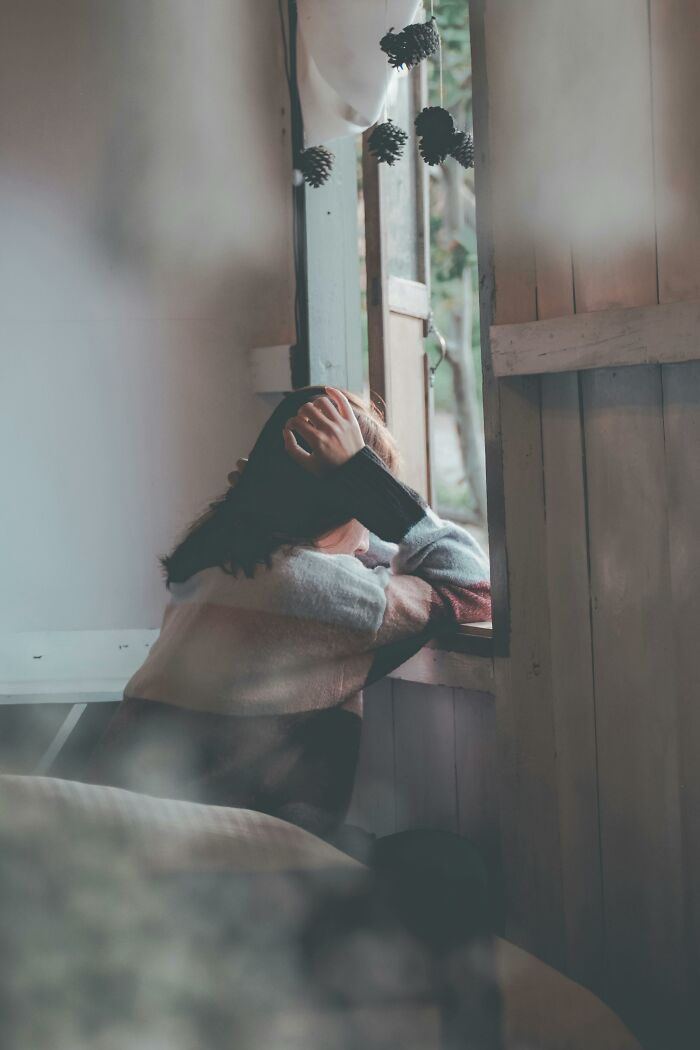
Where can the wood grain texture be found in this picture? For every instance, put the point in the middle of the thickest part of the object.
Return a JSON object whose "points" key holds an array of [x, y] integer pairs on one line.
{"points": [[599, 480], [424, 758], [570, 634], [504, 54], [476, 765], [529, 802], [635, 688], [602, 339], [572, 676], [634, 673], [435, 666], [437, 769], [373, 805], [681, 407], [675, 41]]}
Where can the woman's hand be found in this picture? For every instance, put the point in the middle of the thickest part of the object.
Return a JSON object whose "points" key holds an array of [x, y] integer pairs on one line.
{"points": [[328, 425]]}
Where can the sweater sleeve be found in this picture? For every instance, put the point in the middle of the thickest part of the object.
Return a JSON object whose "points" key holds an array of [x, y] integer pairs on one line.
{"points": [[379, 552], [436, 574]]}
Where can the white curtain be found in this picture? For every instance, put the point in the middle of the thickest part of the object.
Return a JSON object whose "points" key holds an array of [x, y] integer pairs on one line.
{"points": [[343, 75]]}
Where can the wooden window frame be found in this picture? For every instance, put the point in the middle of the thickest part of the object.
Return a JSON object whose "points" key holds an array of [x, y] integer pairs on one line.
{"points": [[383, 291], [330, 353]]}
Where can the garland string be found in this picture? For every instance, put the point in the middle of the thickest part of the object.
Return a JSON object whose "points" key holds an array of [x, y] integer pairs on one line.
{"points": [[386, 71]]}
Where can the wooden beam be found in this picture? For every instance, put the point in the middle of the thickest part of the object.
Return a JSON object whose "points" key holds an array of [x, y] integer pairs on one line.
{"points": [[646, 335]]}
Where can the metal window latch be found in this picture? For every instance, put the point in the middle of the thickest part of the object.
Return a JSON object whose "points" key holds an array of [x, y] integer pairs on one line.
{"points": [[442, 342]]}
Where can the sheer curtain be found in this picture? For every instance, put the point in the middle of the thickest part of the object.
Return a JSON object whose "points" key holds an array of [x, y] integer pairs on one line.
{"points": [[343, 75]]}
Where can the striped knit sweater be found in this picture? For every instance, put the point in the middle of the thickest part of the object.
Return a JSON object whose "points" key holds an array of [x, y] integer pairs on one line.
{"points": [[252, 693]]}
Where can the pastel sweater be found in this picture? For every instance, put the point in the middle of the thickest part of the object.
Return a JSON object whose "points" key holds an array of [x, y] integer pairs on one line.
{"points": [[252, 691]]}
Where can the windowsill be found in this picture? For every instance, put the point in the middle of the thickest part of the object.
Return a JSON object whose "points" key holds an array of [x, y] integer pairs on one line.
{"points": [[473, 638], [463, 659]]}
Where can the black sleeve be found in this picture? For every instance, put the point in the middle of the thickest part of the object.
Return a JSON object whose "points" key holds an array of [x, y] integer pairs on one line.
{"points": [[367, 490]]}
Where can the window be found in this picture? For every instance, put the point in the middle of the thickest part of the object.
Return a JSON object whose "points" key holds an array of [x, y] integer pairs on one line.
{"points": [[421, 338], [418, 343]]}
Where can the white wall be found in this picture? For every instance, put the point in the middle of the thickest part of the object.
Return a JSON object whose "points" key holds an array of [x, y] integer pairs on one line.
{"points": [[145, 233]]}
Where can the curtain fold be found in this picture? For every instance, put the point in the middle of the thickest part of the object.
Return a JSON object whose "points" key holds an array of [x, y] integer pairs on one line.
{"points": [[343, 75]]}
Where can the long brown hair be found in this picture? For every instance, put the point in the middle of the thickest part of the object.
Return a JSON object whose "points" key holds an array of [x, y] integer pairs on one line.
{"points": [[276, 502]]}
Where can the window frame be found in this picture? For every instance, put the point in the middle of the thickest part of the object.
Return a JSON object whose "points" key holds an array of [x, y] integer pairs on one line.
{"points": [[327, 223]]}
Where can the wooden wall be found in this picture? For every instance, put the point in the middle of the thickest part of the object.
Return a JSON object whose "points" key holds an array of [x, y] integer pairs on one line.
{"points": [[427, 760], [588, 186]]}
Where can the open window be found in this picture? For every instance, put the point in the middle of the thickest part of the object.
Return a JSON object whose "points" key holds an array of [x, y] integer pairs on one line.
{"points": [[405, 236], [422, 348]]}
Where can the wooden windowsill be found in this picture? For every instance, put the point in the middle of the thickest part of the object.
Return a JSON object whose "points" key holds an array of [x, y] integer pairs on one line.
{"points": [[473, 638], [461, 660], [480, 629]]}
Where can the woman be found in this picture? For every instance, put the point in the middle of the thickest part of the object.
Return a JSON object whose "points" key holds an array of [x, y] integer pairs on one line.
{"points": [[282, 608]]}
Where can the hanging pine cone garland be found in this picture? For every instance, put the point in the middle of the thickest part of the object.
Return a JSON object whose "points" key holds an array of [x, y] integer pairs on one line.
{"points": [[463, 149], [420, 40], [316, 165], [414, 43], [387, 142], [436, 129]]}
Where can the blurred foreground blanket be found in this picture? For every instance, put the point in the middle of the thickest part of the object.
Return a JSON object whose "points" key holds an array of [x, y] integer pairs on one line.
{"points": [[136, 923]]}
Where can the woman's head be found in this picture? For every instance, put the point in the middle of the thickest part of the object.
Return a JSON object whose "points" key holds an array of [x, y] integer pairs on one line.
{"points": [[276, 502]]}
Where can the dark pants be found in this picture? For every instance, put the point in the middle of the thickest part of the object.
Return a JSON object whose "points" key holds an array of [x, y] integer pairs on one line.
{"points": [[299, 767]]}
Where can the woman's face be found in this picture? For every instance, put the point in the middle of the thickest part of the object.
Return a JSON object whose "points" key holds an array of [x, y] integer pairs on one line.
{"points": [[350, 538]]}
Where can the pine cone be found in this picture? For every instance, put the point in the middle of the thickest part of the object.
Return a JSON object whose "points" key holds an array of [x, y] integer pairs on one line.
{"points": [[316, 164], [435, 122], [392, 44], [419, 41], [463, 149], [437, 131], [387, 142], [431, 153]]}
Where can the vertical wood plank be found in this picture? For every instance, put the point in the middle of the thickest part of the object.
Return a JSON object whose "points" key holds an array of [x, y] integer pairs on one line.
{"points": [[675, 43], [635, 688], [373, 805], [572, 676], [681, 401], [634, 675], [424, 757], [476, 764], [570, 632], [529, 802], [556, 137], [503, 58]]}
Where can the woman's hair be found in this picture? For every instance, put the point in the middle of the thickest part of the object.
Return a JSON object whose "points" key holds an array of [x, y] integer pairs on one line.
{"points": [[276, 502]]}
